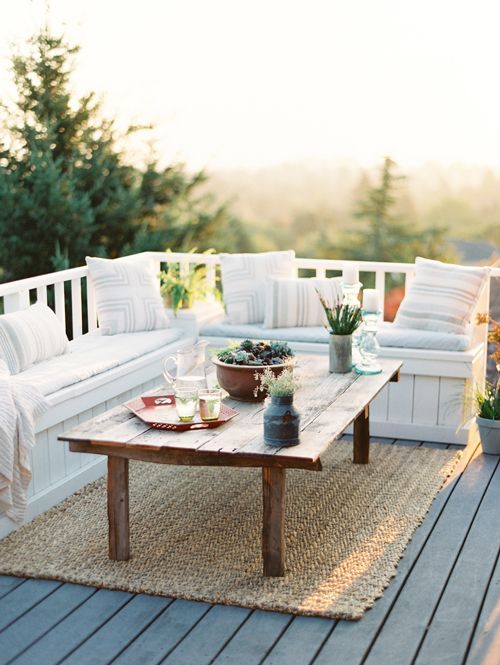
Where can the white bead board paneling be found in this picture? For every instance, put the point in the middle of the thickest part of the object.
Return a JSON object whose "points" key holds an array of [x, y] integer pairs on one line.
{"points": [[40, 463], [380, 405], [452, 393], [73, 460], [57, 459], [425, 400], [400, 408]]}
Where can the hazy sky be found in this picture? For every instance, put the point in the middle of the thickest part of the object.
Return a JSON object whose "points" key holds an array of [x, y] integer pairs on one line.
{"points": [[236, 84]]}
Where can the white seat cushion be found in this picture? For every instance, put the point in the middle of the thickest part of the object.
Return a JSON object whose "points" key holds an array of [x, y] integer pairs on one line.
{"points": [[295, 302], [223, 329], [244, 278], [93, 354], [442, 297], [127, 295], [388, 335], [407, 338]]}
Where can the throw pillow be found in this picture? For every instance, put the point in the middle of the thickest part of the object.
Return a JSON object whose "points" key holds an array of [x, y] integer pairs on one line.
{"points": [[294, 303], [442, 297], [30, 336], [244, 278], [127, 296]]}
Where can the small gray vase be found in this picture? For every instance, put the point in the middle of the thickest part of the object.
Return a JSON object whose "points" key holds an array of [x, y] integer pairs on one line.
{"points": [[281, 423], [340, 353]]}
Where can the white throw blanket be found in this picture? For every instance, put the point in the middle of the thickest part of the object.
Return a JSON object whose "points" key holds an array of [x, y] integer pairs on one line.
{"points": [[20, 405]]}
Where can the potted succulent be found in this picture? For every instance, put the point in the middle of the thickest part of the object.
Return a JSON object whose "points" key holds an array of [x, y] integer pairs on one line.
{"points": [[181, 289], [238, 364], [281, 418], [343, 321], [488, 400]]}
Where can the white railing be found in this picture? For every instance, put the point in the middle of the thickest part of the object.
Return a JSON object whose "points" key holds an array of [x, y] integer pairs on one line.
{"points": [[70, 287]]}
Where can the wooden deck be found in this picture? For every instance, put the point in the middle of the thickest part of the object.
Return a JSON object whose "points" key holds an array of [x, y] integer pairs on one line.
{"points": [[442, 608]]}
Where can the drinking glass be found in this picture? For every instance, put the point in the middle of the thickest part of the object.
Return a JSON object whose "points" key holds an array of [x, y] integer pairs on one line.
{"points": [[210, 403], [186, 402]]}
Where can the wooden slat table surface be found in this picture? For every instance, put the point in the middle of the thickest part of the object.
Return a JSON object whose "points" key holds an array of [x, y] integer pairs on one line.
{"points": [[328, 404]]}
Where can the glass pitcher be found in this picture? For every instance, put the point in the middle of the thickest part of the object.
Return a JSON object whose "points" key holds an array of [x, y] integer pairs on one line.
{"points": [[190, 368]]}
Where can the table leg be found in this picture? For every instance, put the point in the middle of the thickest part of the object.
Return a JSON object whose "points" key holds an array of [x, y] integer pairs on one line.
{"points": [[362, 437], [118, 518], [273, 521]]}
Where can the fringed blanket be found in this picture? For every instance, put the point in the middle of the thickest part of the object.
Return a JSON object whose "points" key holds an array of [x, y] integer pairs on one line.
{"points": [[20, 406]]}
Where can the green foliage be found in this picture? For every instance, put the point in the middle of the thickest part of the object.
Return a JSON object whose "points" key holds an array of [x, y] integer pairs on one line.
{"points": [[342, 319], [488, 402], [67, 189], [283, 385], [256, 354], [184, 289], [382, 235]]}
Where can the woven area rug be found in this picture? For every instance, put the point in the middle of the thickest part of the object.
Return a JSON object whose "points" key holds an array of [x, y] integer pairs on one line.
{"points": [[195, 532]]}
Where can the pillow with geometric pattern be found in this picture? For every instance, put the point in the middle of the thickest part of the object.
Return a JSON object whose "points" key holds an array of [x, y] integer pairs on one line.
{"points": [[442, 297], [127, 296], [244, 282]]}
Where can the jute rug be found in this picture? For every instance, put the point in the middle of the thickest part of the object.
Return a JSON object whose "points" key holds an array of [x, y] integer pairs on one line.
{"points": [[195, 532]]}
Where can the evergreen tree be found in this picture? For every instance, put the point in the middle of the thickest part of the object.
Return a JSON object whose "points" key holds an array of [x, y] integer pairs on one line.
{"points": [[382, 234], [66, 187]]}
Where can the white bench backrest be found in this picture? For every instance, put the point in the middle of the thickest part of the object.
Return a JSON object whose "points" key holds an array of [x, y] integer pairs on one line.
{"points": [[72, 286]]}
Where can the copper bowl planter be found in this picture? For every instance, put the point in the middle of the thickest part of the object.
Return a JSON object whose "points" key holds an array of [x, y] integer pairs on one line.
{"points": [[239, 380]]}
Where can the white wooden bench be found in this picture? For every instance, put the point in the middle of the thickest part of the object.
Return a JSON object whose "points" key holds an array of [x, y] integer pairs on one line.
{"points": [[57, 473]]}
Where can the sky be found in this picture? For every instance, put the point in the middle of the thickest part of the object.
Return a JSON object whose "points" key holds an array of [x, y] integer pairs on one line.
{"points": [[232, 84]]}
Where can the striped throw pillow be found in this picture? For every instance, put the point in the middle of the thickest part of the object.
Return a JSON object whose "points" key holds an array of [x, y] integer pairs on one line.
{"points": [[244, 278], [294, 303], [127, 296], [30, 336], [442, 297]]}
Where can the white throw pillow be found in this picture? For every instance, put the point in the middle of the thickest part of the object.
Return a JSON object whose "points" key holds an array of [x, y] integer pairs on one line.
{"points": [[244, 278], [30, 336], [442, 297], [127, 296], [294, 303]]}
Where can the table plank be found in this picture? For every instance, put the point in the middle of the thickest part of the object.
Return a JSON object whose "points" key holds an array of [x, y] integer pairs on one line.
{"points": [[328, 403]]}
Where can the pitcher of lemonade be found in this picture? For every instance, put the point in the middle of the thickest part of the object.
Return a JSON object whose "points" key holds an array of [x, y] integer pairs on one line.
{"points": [[190, 368]]}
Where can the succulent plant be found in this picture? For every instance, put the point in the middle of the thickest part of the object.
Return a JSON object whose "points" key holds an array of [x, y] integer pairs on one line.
{"points": [[255, 354]]}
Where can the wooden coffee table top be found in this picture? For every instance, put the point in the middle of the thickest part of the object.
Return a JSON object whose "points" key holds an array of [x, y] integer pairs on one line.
{"points": [[328, 404]]}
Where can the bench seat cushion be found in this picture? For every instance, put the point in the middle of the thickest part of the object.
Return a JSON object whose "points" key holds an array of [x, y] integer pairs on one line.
{"points": [[222, 329], [389, 335], [92, 354]]}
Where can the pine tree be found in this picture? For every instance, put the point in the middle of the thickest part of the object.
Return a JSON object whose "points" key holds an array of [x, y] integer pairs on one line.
{"points": [[67, 189], [382, 235]]}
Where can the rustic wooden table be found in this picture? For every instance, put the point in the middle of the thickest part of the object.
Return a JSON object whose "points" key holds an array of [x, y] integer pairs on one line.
{"points": [[328, 404]]}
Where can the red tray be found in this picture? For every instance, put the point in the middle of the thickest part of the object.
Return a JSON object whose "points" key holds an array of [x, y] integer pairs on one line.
{"points": [[159, 412]]}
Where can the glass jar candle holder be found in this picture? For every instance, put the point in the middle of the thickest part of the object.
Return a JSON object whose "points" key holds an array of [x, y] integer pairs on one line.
{"points": [[369, 347], [186, 402], [351, 298], [210, 404]]}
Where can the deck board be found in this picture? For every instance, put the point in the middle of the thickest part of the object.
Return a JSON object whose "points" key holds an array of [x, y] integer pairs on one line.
{"points": [[255, 638], [41, 618], [209, 636], [118, 632], [442, 606], [413, 609], [451, 627], [164, 634], [75, 630]]}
